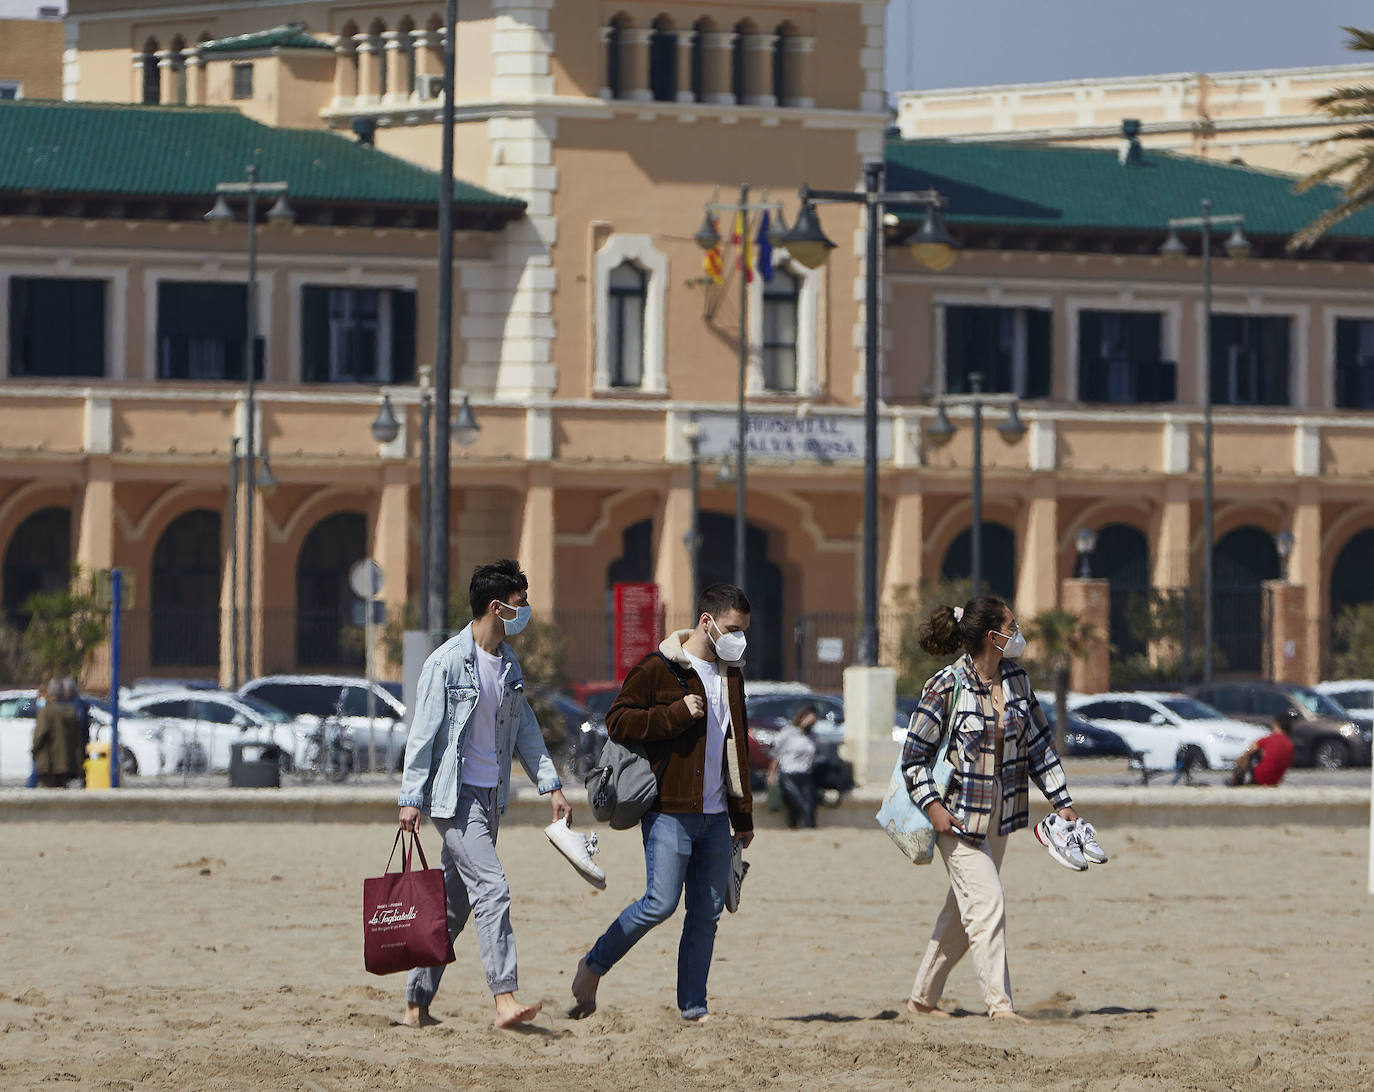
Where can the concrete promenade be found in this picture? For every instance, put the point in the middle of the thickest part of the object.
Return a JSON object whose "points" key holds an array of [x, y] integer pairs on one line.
{"points": [[1105, 806]]}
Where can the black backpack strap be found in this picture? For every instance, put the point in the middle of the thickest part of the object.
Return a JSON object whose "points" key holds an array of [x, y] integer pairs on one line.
{"points": [[678, 671]]}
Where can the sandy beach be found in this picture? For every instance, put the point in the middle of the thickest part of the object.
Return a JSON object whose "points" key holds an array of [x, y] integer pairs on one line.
{"points": [[228, 956]]}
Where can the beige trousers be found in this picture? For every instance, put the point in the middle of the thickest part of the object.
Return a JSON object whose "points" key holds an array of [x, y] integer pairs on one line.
{"points": [[973, 919]]}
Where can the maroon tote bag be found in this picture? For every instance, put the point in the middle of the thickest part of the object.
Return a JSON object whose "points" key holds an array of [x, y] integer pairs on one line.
{"points": [[405, 917]]}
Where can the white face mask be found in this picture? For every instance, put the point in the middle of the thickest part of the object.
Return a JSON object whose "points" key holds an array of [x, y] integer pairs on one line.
{"points": [[1016, 643], [729, 646], [516, 624]]}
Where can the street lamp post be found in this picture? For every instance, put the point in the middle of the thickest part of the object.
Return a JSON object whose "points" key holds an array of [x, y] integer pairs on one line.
{"points": [[942, 430], [691, 432], [1087, 543], [933, 247], [1237, 246], [234, 563], [220, 216]]}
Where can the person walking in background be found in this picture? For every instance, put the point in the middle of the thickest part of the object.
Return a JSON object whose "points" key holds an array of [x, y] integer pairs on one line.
{"points": [[793, 768], [685, 705], [58, 743], [998, 736], [471, 719], [1267, 759]]}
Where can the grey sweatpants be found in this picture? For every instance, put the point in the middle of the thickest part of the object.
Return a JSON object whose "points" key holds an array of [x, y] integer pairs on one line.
{"points": [[474, 882]]}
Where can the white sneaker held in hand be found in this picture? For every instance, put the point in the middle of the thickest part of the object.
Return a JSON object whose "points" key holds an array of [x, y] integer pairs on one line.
{"points": [[579, 849], [1085, 835], [1056, 835]]}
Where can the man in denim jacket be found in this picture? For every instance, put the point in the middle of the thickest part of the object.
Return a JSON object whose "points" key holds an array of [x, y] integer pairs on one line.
{"points": [[471, 718]]}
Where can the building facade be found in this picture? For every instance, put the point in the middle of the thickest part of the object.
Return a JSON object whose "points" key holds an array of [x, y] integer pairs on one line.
{"points": [[593, 345]]}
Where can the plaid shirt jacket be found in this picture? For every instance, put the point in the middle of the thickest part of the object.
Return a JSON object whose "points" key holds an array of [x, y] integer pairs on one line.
{"points": [[1028, 749]]}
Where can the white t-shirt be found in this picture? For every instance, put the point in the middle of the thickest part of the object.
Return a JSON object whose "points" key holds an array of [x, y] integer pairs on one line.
{"points": [[480, 769], [717, 724]]}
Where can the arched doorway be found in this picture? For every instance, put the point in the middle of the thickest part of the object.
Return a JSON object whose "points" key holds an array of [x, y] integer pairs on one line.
{"points": [[185, 591], [1241, 561], [37, 559], [1122, 558], [325, 622], [999, 559], [762, 583], [1352, 576]]}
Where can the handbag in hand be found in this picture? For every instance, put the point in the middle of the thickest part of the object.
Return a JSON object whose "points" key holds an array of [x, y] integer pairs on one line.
{"points": [[901, 819], [405, 914]]}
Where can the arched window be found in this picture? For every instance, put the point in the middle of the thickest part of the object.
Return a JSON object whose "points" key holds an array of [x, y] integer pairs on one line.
{"points": [[663, 60], [152, 81], [376, 30], [781, 296], [780, 93], [185, 591], [178, 62], [625, 324], [37, 559], [738, 61], [324, 601], [407, 46], [700, 29], [610, 36]]}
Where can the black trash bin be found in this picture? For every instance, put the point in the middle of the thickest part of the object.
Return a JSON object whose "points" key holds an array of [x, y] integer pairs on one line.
{"points": [[254, 766]]}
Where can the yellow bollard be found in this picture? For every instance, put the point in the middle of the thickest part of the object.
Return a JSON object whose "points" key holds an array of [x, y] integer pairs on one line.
{"points": [[97, 765]]}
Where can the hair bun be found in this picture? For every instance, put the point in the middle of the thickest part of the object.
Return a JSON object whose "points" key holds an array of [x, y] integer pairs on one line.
{"points": [[958, 614]]}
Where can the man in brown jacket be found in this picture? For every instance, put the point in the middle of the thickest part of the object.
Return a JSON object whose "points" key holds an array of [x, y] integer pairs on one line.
{"points": [[685, 705]]}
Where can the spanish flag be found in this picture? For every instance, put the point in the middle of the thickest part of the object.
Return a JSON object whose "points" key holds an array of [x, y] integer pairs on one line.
{"points": [[712, 263], [740, 240]]}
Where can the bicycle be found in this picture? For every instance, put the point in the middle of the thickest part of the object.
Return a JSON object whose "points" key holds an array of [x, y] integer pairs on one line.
{"points": [[328, 751]]}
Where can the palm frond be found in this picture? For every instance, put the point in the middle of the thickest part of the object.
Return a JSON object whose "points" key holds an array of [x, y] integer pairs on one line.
{"points": [[1339, 166], [1360, 132], [1359, 40], [1355, 94], [1359, 193]]}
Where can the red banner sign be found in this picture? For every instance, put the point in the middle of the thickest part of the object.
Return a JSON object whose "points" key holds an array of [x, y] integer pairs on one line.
{"points": [[636, 625]]}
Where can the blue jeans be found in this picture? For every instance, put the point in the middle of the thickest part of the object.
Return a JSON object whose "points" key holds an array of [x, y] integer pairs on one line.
{"points": [[681, 851]]}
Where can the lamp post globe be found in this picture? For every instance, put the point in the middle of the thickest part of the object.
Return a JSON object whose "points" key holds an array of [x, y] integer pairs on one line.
{"points": [[385, 426]]}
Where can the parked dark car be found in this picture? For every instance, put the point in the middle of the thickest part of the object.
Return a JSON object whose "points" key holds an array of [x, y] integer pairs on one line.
{"points": [[1082, 738], [769, 712], [1323, 733]]}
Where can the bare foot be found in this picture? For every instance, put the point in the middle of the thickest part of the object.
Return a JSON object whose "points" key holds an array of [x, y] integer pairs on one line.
{"points": [[918, 1009], [584, 985], [510, 1012], [1010, 1017], [417, 1016]]}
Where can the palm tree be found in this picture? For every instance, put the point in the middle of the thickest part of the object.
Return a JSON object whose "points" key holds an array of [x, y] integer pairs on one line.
{"points": [[1061, 637], [1346, 105]]}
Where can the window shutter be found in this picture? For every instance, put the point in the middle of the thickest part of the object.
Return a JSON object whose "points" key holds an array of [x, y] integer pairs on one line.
{"points": [[1346, 363], [1037, 354], [1273, 358], [956, 349], [402, 336], [314, 334], [1089, 356]]}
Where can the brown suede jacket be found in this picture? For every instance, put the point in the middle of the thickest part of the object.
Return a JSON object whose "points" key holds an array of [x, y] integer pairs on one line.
{"points": [[651, 710]]}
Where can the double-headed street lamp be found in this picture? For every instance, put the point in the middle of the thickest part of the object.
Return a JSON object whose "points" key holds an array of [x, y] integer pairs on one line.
{"points": [[219, 217], [1238, 247], [942, 430], [933, 247], [464, 431]]}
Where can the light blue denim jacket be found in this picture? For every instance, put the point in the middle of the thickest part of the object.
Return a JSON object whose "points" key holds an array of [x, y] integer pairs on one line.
{"points": [[438, 734]]}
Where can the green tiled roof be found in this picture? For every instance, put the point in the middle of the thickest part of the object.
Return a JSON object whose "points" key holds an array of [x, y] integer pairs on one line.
{"points": [[181, 152], [287, 36], [1052, 187]]}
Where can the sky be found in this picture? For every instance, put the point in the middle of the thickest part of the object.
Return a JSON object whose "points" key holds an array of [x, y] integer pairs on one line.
{"points": [[964, 43]]}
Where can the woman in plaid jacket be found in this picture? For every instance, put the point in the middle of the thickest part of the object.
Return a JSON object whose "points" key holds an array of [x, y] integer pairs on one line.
{"points": [[998, 740]]}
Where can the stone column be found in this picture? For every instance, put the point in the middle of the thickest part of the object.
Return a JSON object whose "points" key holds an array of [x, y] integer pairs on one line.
{"points": [[673, 568], [1285, 631], [96, 519], [905, 541], [1173, 563], [798, 83], [720, 50], [391, 545], [167, 77], [428, 46], [758, 69], [537, 539], [606, 32], [1091, 600], [1305, 570], [1037, 583], [369, 70], [634, 64], [685, 40], [345, 72], [394, 56]]}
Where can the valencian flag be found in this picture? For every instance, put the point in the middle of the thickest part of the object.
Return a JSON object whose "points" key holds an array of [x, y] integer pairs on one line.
{"points": [[765, 245], [740, 240], [712, 263]]}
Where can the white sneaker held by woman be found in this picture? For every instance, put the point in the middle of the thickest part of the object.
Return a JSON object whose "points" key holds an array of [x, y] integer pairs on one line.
{"points": [[1086, 836], [1057, 836]]}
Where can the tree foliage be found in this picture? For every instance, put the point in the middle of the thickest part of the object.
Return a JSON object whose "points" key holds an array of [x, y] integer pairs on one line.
{"points": [[1353, 104], [66, 626], [1352, 642], [1061, 639], [17, 668], [913, 607]]}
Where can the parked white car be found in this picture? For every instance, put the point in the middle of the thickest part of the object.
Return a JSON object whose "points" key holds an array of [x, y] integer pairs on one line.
{"points": [[317, 697], [139, 749], [1167, 727], [198, 727], [1355, 696]]}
